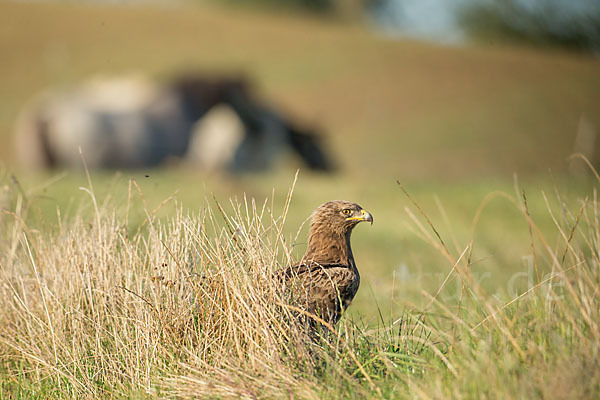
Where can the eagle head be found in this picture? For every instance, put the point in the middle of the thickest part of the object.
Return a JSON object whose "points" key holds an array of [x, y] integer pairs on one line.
{"points": [[340, 215]]}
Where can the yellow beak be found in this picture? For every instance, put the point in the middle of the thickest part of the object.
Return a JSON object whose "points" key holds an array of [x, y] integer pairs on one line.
{"points": [[364, 216]]}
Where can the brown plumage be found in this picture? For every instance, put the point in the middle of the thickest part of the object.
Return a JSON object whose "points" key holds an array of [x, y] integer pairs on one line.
{"points": [[325, 281]]}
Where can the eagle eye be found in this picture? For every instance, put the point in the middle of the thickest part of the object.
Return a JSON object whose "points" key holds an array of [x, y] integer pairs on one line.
{"points": [[346, 211]]}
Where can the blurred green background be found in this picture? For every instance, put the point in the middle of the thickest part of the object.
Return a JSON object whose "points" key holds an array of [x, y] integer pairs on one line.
{"points": [[451, 122]]}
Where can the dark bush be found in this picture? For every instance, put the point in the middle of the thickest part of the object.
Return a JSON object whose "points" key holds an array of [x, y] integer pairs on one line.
{"points": [[545, 22]]}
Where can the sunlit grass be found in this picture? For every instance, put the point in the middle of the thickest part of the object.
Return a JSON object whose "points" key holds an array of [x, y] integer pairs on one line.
{"points": [[181, 302]]}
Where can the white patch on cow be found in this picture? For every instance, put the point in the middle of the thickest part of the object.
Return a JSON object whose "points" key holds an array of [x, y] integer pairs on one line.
{"points": [[216, 138], [119, 94], [69, 119]]}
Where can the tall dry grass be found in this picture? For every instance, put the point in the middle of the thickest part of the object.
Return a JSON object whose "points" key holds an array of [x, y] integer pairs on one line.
{"points": [[97, 310], [543, 342], [186, 307]]}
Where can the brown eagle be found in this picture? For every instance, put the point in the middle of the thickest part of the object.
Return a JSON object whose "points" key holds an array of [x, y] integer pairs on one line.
{"points": [[325, 281]]}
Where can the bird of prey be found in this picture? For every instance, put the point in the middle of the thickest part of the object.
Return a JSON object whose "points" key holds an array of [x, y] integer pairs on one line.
{"points": [[326, 279]]}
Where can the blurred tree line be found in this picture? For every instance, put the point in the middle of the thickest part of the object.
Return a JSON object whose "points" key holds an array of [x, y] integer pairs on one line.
{"points": [[569, 23], [574, 24], [322, 7]]}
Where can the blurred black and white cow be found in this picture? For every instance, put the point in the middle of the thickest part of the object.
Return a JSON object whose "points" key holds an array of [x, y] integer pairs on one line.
{"points": [[131, 123]]}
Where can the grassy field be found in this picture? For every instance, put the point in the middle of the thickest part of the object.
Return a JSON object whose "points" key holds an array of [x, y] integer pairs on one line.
{"points": [[94, 297], [110, 298]]}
